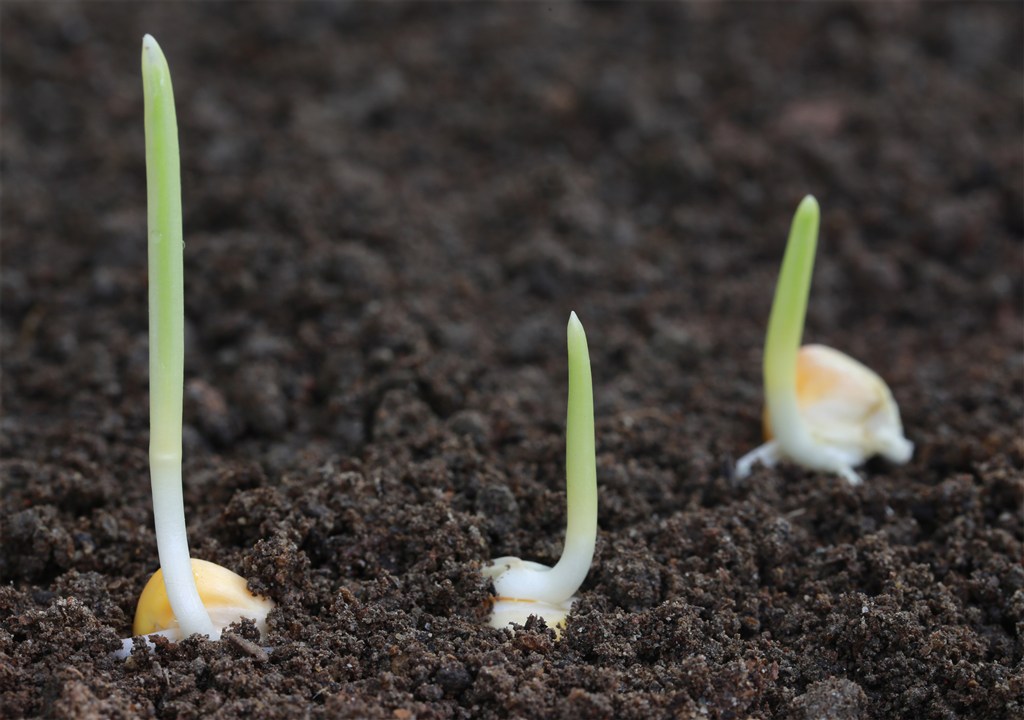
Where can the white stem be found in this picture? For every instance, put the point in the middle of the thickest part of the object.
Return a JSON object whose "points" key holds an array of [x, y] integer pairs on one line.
{"points": [[792, 436], [848, 474], [172, 545], [894, 446], [766, 454], [128, 644]]}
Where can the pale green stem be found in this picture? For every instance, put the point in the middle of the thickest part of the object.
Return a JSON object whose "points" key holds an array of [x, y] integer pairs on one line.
{"points": [[167, 339], [786, 327], [515, 578], [580, 470]]}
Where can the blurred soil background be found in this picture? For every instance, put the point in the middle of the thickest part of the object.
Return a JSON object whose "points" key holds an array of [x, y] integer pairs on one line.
{"points": [[390, 211]]}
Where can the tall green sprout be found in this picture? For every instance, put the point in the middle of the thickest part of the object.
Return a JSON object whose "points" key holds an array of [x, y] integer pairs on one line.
{"points": [[826, 410], [523, 588], [167, 339], [786, 326], [580, 472]]}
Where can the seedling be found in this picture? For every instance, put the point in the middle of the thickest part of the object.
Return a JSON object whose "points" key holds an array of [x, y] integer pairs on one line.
{"points": [[823, 409], [184, 597], [523, 588]]}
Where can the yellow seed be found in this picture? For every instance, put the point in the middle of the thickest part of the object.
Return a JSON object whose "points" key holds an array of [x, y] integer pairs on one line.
{"points": [[224, 594], [845, 403]]}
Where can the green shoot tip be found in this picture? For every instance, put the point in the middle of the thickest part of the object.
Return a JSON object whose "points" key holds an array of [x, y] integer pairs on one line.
{"points": [[807, 210], [574, 323]]}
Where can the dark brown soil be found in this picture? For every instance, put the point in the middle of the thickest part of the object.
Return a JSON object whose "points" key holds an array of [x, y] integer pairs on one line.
{"points": [[390, 212]]}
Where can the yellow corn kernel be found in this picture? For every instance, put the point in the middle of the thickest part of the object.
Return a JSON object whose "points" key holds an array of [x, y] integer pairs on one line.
{"points": [[224, 594], [845, 404]]}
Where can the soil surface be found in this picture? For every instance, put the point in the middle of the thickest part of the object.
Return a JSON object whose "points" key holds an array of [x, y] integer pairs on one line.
{"points": [[390, 212]]}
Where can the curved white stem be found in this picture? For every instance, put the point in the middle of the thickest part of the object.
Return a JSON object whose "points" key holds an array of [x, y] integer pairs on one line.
{"points": [[172, 546], [514, 578], [766, 454], [128, 644]]}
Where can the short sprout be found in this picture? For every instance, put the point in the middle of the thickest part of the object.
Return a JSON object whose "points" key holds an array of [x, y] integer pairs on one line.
{"points": [[823, 409], [185, 596], [523, 588]]}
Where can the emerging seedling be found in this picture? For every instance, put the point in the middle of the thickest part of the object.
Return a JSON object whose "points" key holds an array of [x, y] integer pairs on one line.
{"points": [[523, 588], [823, 409], [184, 597]]}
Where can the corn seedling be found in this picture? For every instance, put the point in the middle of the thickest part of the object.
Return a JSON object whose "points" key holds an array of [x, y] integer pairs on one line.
{"points": [[823, 409], [523, 588], [184, 597]]}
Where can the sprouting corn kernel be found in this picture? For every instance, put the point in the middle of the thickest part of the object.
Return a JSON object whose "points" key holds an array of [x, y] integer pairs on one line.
{"points": [[224, 594], [506, 610], [847, 406]]}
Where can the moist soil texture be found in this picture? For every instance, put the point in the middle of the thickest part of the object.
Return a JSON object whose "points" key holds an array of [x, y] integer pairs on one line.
{"points": [[390, 212]]}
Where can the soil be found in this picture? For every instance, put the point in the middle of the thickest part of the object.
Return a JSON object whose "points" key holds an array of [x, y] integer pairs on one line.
{"points": [[390, 212]]}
